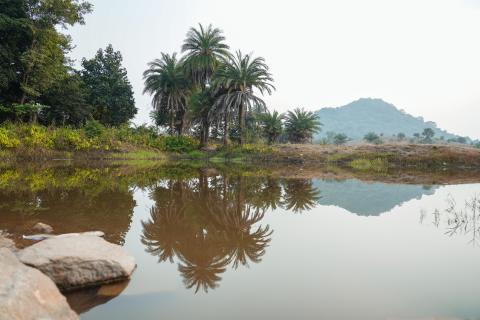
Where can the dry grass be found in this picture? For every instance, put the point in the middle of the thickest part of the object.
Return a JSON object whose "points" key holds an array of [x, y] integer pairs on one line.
{"points": [[397, 155]]}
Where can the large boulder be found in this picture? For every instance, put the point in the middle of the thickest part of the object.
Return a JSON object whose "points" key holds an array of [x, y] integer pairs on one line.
{"points": [[79, 261], [27, 294]]}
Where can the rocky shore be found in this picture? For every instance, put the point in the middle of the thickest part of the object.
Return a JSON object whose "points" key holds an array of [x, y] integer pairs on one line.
{"points": [[33, 279]]}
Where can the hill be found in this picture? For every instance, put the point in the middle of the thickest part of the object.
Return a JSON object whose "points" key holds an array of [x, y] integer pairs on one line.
{"points": [[373, 115]]}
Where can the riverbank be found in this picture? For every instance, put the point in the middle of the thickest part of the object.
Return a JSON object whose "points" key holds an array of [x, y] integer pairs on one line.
{"points": [[359, 157]]}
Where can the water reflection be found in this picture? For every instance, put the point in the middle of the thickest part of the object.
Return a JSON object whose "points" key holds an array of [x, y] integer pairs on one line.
{"points": [[209, 223], [458, 220], [69, 199]]}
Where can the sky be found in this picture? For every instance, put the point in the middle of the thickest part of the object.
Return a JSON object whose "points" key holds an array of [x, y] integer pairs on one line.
{"points": [[421, 55]]}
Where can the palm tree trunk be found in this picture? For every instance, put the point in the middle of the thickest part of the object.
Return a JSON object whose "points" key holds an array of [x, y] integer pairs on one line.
{"points": [[204, 132], [225, 129], [241, 115], [172, 131]]}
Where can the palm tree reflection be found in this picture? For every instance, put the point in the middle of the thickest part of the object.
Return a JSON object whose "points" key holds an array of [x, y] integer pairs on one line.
{"points": [[300, 195], [213, 221]]}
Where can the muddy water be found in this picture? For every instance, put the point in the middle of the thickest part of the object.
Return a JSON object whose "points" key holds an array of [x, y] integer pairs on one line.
{"points": [[230, 243]]}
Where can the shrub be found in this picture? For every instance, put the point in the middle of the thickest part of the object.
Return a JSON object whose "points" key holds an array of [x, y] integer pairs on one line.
{"points": [[6, 139], [36, 137], [93, 129], [68, 139], [372, 137], [177, 144]]}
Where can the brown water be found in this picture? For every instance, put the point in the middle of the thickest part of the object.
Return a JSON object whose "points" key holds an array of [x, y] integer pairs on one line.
{"points": [[231, 243]]}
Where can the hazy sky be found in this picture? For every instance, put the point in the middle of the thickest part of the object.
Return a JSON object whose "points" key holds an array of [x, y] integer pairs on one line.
{"points": [[421, 55]]}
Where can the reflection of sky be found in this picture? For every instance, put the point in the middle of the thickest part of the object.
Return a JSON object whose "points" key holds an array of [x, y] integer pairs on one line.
{"points": [[368, 199], [322, 264]]}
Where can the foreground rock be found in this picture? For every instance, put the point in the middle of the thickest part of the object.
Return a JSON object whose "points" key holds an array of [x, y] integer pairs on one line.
{"points": [[42, 228], [79, 261], [27, 294]]}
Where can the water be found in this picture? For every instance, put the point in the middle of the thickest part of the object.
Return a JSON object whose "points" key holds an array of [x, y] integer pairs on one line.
{"points": [[235, 244]]}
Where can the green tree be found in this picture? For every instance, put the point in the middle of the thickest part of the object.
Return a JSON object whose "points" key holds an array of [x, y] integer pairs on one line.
{"points": [[240, 76], [66, 103], [340, 139], [300, 125], [372, 137], [204, 50], [165, 81], [428, 134], [401, 136], [111, 94], [34, 48], [272, 125]]}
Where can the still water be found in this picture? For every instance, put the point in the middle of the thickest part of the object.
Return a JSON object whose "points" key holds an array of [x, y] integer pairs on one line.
{"points": [[236, 244]]}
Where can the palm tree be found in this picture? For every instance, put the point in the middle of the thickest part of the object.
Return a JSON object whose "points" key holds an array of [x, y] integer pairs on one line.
{"points": [[272, 125], [204, 50], [239, 76], [300, 125], [166, 82]]}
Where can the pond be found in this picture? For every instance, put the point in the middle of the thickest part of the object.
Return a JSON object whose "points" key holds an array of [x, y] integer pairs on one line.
{"points": [[236, 243]]}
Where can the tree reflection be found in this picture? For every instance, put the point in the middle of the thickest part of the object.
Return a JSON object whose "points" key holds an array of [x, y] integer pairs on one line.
{"points": [[300, 195], [213, 221]]}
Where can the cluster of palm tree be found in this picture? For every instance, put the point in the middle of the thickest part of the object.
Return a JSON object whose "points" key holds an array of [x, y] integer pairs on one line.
{"points": [[209, 222], [211, 92], [208, 86], [297, 126]]}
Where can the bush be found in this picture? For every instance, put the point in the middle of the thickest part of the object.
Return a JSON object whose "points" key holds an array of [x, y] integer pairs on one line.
{"points": [[35, 136], [93, 129], [177, 144], [6, 139], [67, 139]]}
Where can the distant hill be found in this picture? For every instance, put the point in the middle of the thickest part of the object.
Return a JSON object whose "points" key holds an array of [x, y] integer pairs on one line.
{"points": [[373, 115]]}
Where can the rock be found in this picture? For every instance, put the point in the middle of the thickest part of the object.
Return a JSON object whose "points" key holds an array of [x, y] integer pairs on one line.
{"points": [[27, 294], [43, 228], [79, 261], [7, 243], [39, 237]]}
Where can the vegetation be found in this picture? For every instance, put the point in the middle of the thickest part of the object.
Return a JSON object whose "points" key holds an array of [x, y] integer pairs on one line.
{"points": [[300, 125], [340, 139], [37, 80], [272, 126], [33, 140], [372, 137]]}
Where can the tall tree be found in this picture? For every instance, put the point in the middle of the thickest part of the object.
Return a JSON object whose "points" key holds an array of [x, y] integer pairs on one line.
{"points": [[32, 53], [111, 94], [204, 50], [240, 76], [300, 125], [66, 103], [166, 83]]}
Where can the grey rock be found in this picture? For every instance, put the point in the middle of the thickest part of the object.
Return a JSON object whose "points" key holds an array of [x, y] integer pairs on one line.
{"points": [[79, 261], [42, 228], [27, 294]]}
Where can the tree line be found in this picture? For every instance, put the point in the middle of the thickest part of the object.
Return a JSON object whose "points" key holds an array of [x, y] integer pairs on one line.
{"points": [[38, 82]]}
